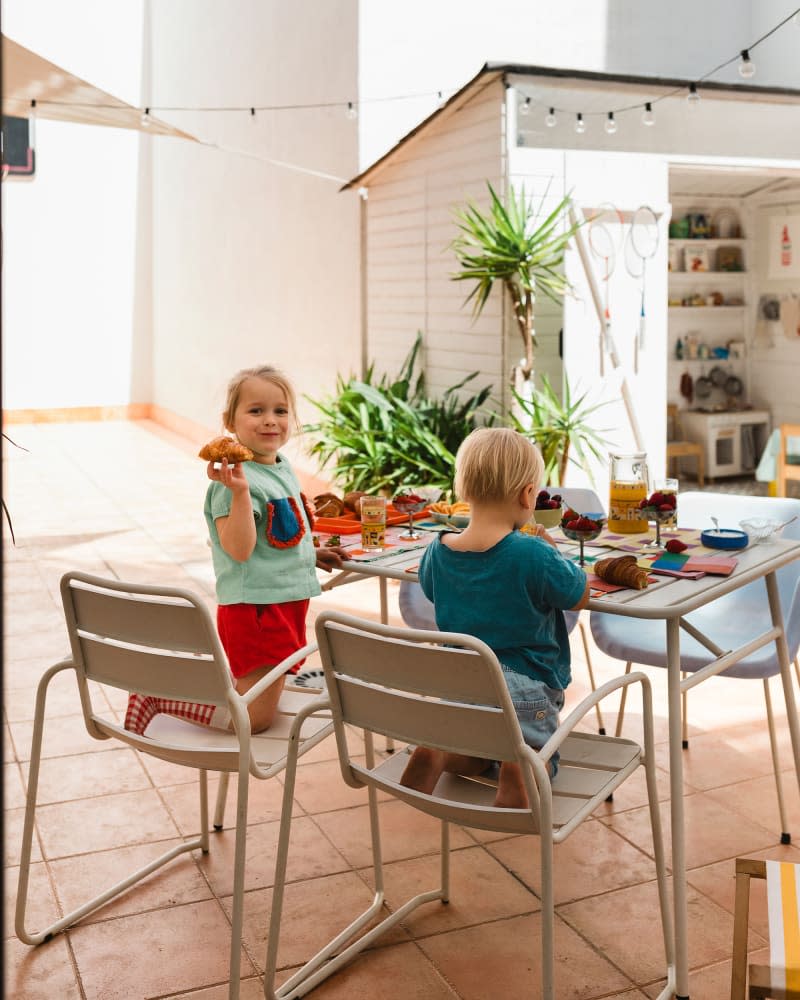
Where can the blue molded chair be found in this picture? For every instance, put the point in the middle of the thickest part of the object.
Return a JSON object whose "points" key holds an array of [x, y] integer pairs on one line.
{"points": [[418, 612], [730, 621]]}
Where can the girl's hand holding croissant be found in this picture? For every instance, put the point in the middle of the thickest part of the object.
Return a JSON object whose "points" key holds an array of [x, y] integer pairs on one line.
{"points": [[231, 476]]}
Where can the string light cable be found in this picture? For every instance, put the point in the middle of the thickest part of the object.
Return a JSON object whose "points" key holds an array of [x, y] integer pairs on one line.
{"points": [[747, 70]]}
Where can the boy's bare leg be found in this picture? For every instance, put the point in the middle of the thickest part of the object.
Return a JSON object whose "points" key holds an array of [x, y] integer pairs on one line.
{"points": [[426, 766], [511, 793], [262, 710]]}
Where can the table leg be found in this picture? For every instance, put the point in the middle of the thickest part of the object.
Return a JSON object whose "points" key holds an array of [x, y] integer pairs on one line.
{"points": [[782, 651], [385, 621], [677, 810]]}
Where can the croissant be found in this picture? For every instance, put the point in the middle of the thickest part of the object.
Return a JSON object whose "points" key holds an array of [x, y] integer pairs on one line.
{"points": [[328, 505], [622, 570], [225, 447]]}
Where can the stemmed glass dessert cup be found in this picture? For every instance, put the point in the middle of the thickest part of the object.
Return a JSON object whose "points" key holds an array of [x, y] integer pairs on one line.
{"points": [[660, 517], [581, 537], [410, 508]]}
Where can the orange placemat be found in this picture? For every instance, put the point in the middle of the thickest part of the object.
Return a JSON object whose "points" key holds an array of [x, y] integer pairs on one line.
{"points": [[348, 525]]}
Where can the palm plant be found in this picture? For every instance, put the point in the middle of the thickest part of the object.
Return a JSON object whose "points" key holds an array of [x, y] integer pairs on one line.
{"points": [[501, 244], [387, 433], [561, 428]]}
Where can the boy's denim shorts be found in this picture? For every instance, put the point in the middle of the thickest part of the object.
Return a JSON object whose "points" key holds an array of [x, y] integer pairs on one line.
{"points": [[537, 707]]}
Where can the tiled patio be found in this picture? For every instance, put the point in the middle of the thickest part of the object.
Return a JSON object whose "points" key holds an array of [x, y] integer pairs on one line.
{"points": [[125, 500]]}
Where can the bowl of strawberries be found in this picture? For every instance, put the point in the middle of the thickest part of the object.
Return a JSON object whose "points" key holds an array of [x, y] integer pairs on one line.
{"points": [[580, 528], [548, 509]]}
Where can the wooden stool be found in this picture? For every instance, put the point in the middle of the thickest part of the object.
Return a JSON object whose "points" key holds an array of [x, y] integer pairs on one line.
{"points": [[682, 449], [780, 980]]}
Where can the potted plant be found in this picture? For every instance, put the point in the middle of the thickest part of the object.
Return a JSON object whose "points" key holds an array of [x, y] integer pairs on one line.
{"points": [[562, 430], [505, 244]]}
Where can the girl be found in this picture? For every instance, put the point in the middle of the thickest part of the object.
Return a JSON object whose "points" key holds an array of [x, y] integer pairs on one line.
{"points": [[264, 558]]}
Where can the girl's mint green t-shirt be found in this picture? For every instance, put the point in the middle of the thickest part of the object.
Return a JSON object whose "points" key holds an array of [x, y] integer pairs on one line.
{"points": [[282, 566]]}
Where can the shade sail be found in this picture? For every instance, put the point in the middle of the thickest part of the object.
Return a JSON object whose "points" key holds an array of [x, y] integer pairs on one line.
{"points": [[61, 96]]}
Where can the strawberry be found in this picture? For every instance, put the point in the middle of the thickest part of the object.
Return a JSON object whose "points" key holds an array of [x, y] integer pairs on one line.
{"points": [[569, 515], [557, 497], [666, 508], [553, 504], [655, 500], [574, 524], [675, 545]]}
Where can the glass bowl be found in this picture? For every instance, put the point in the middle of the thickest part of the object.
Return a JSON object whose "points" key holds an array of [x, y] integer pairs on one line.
{"points": [[581, 536], [759, 528]]}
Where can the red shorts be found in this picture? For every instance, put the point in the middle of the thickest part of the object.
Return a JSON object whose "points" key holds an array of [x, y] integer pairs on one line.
{"points": [[261, 635]]}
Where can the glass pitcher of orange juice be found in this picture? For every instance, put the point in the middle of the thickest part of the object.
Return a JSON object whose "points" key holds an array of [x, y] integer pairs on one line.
{"points": [[629, 484]]}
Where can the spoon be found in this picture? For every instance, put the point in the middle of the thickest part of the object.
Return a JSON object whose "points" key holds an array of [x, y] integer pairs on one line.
{"points": [[716, 524]]}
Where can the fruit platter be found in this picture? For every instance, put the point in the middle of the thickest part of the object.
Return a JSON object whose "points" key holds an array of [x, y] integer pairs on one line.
{"points": [[580, 528], [455, 514], [661, 508], [548, 509]]}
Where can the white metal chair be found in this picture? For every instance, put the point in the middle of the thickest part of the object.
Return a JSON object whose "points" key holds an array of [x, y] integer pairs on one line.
{"points": [[446, 691], [729, 622], [161, 641], [418, 612]]}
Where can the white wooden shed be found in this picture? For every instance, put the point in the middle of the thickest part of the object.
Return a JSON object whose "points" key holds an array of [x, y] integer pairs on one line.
{"points": [[736, 152]]}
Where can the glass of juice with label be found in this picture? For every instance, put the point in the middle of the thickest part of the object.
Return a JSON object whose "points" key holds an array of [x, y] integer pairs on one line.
{"points": [[373, 523], [627, 490]]}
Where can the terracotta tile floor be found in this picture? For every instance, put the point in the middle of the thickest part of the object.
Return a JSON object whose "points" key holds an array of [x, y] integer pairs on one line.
{"points": [[124, 499]]}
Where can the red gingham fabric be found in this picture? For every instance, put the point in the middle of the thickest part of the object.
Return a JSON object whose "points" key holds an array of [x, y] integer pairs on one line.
{"points": [[142, 709]]}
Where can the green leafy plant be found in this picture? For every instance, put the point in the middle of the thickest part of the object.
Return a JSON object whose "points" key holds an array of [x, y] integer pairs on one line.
{"points": [[385, 434], [505, 244], [562, 429]]}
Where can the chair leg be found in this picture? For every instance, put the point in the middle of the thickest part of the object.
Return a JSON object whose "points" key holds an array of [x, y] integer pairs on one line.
{"points": [[786, 837], [222, 795], [684, 716], [548, 920], [330, 958], [237, 903], [622, 699], [585, 639], [38, 937], [204, 810]]}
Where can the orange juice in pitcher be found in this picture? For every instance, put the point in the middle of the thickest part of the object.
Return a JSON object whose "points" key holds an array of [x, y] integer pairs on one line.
{"points": [[627, 489]]}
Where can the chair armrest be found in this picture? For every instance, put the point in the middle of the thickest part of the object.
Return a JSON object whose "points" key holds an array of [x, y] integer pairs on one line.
{"points": [[277, 672], [588, 703]]}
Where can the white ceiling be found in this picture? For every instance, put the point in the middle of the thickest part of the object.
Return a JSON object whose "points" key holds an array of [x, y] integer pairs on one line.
{"points": [[733, 182]]}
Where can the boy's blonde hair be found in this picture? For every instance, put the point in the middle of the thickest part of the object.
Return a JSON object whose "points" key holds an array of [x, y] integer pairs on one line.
{"points": [[269, 374], [495, 463]]}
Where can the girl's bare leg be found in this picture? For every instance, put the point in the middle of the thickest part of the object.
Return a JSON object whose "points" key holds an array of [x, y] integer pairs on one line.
{"points": [[262, 710], [511, 793]]}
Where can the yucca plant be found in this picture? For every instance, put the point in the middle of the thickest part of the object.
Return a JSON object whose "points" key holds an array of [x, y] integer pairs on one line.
{"points": [[387, 434], [505, 244], [562, 430]]}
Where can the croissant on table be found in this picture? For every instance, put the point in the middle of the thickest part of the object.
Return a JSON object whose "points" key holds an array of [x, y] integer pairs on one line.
{"points": [[225, 447], [622, 570]]}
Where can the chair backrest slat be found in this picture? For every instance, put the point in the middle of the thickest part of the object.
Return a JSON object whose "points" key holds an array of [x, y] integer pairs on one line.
{"points": [[437, 671], [434, 695], [476, 730], [135, 619], [192, 678], [154, 640]]}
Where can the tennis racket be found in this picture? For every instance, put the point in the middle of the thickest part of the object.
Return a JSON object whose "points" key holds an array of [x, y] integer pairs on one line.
{"points": [[643, 239], [605, 231]]}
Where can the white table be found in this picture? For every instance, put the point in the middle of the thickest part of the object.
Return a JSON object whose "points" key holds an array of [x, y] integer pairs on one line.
{"points": [[670, 600]]}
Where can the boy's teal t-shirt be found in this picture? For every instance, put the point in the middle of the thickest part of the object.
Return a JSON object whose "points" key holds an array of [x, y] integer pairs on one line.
{"points": [[512, 597], [282, 566]]}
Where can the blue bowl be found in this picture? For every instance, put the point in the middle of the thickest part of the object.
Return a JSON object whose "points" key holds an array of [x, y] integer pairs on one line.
{"points": [[725, 538]]}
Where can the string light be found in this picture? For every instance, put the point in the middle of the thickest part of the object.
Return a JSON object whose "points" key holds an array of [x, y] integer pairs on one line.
{"points": [[32, 125], [611, 125], [252, 114], [747, 67], [525, 107], [692, 98], [352, 111], [648, 118], [550, 119], [145, 119], [580, 124]]}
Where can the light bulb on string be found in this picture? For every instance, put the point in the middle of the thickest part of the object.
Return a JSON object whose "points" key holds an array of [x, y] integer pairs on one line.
{"points": [[252, 115], [525, 107], [692, 98], [32, 126], [550, 119], [747, 67], [580, 124], [352, 111], [145, 119], [648, 117], [611, 125]]}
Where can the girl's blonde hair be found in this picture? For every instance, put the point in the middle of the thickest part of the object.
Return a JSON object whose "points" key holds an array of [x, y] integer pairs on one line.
{"points": [[495, 463], [269, 374]]}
